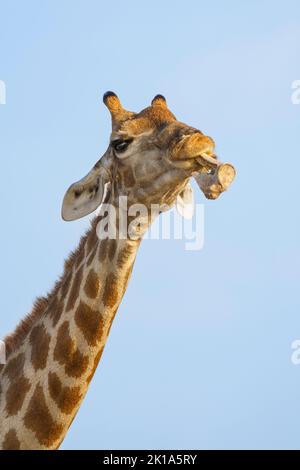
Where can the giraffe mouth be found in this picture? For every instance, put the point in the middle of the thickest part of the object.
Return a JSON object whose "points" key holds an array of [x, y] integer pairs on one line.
{"points": [[207, 161]]}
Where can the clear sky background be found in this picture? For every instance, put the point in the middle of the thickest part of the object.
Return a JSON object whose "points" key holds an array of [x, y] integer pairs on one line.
{"points": [[199, 355]]}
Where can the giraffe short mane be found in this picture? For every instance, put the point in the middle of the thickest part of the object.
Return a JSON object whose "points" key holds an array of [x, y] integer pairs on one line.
{"points": [[14, 340]]}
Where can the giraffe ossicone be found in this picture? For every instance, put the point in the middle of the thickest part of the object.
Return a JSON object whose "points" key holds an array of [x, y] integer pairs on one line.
{"points": [[54, 352]]}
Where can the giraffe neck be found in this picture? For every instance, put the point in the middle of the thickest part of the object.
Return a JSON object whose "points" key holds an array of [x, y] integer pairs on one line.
{"points": [[47, 375]]}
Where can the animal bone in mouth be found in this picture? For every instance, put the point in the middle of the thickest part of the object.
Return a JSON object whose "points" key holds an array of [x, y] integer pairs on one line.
{"points": [[216, 182]]}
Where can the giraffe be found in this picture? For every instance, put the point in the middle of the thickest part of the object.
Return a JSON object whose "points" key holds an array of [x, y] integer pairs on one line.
{"points": [[53, 353]]}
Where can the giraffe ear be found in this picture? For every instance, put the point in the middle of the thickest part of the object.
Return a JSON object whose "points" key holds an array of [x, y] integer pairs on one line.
{"points": [[84, 196], [185, 202]]}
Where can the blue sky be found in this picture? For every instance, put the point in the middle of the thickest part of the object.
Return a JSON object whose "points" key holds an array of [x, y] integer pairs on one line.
{"points": [[199, 355]]}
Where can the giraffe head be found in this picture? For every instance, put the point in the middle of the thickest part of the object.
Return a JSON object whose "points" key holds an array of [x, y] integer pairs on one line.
{"points": [[150, 158]]}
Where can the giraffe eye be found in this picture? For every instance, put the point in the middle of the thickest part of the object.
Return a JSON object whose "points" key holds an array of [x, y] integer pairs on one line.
{"points": [[121, 145]]}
